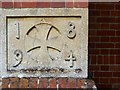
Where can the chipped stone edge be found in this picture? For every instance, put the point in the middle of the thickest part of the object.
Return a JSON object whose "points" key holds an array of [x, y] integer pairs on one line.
{"points": [[37, 12], [0, 83], [0, 54]]}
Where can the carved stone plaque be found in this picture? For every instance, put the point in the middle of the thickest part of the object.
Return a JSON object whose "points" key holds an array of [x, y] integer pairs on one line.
{"points": [[46, 45]]}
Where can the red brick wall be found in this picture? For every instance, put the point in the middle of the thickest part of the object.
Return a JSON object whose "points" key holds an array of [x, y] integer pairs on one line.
{"points": [[43, 83], [104, 44], [65, 4]]}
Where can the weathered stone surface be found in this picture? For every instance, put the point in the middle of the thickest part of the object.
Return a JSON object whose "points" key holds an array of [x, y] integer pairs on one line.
{"points": [[44, 42]]}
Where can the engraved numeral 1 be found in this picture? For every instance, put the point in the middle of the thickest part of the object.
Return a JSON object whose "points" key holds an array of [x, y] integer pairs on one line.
{"points": [[18, 31]]}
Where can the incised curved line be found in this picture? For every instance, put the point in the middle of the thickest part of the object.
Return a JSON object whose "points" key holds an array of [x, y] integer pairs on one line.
{"points": [[53, 48], [18, 63], [30, 30], [33, 48], [50, 31], [40, 24]]}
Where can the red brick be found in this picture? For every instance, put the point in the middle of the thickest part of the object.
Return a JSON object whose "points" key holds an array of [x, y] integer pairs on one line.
{"points": [[62, 82], [92, 32], [106, 59], [115, 26], [29, 4], [14, 82], [80, 4], [113, 80], [104, 80], [106, 20], [114, 68], [114, 39], [105, 26], [112, 59], [114, 51], [57, 0], [94, 68], [105, 13], [118, 39], [92, 19], [104, 86], [43, 83], [118, 78], [80, 83], [71, 83], [0, 4], [23, 83], [117, 7], [106, 74], [94, 12], [7, 4], [5, 82], [105, 68], [102, 74], [57, 5], [92, 5], [116, 74], [106, 62], [105, 39], [100, 59], [106, 32], [69, 5], [94, 51], [117, 59], [117, 86], [43, 4], [105, 6], [17, 4], [118, 33], [96, 79], [115, 13], [104, 45], [97, 74], [92, 45], [94, 26], [33, 83], [80, 0], [93, 59], [52, 83], [118, 19], [117, 45], [104, 51]]}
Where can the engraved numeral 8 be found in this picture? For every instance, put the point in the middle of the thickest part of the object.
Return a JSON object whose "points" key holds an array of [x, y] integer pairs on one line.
{"points": [[71, 32]]}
